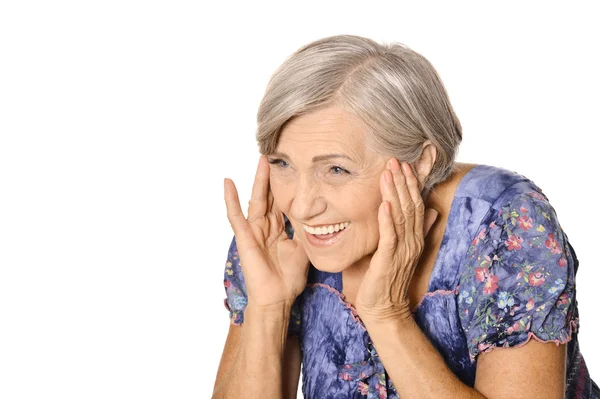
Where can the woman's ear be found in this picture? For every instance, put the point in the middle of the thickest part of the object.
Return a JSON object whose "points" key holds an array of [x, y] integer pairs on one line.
{"points": [[425, 163]]}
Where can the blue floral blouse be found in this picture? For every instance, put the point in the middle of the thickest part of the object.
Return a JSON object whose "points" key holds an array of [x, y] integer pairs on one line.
{"points": [[504, 274]]}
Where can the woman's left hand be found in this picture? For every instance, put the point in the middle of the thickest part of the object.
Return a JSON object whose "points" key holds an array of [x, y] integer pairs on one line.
{"points": [[403, 225]]}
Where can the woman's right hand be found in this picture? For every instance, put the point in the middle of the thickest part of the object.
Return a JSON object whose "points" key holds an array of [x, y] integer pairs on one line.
{"points": [[275, 268]]}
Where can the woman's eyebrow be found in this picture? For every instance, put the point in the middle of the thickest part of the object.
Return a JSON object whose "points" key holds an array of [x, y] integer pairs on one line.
{"points": [[316, 158]]}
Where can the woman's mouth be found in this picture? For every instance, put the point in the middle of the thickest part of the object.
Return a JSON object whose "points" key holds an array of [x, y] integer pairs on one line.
{"points": [[324, 236]]}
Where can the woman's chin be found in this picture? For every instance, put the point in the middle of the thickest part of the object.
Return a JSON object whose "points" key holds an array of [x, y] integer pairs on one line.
{"points": [[328, 266]]}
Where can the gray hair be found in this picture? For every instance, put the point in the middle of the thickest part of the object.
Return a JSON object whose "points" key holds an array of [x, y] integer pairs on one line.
{"points": [[394, 90]]}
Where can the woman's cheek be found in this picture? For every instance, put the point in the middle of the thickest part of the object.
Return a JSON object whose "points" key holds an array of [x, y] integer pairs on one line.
{"points": [[282, 192]]}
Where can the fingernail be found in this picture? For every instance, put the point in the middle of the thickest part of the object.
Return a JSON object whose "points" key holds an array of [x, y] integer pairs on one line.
{"points": [[386, 207], [388, 177], [395, 166], [406, 168]]}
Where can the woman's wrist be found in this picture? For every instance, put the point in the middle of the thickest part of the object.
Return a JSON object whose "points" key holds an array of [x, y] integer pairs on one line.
{"points": [[270, 314], [384, 315], [266, 328]]}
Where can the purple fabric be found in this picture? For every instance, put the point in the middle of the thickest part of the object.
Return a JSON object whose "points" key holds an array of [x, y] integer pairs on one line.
{"points": [[504, 274]]}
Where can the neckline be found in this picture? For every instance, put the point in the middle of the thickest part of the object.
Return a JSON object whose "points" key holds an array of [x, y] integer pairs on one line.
{"points": [[442, 249]]}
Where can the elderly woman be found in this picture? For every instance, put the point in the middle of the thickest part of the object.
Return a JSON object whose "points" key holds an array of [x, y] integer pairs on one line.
{"points": [[379, 264]]}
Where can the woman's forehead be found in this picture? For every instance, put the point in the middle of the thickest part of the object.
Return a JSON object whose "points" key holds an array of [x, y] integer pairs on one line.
{"points": [[333, 130], [326, 120], [320, 143]]}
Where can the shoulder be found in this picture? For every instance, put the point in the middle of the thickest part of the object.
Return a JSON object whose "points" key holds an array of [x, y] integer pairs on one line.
{"points": [[494, 184], [501, 202], [518, 277]]}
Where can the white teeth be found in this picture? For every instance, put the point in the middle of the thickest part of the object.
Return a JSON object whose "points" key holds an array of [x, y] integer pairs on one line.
{"points": [[326, 229]]}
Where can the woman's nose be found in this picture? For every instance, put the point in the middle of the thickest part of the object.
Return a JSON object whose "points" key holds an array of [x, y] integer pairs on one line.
{"points": [[307, 202]]}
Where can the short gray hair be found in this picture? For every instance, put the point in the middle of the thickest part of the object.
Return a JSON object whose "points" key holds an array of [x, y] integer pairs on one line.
{"points": [[394, 90]]}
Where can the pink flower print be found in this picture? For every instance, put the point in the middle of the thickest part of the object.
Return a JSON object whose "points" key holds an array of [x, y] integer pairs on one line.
{"points": [[514, 242], [363, 388], [525, 223], [493, 225], [481, 273], [345, 376], [513, 328], [491, 285], [563, 299], [227, 283], [480, 236], [483, 346], [523, 210], [536, 279], [562, 262], [530, 304], [382, 391], [536, 195], [552, 244]]}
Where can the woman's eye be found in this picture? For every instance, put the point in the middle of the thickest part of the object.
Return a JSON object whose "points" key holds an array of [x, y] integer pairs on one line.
{"points": [[279, 162], [338, 170]]}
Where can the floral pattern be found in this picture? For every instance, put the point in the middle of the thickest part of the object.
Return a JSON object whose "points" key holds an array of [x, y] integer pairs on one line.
{"points": [[516, 275]]}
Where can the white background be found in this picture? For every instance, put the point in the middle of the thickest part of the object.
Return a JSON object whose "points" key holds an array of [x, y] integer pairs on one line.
{"points": [[120, 119]]}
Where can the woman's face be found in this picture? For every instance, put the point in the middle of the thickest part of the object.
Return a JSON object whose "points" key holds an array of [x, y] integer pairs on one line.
{"points": [[323, 175]]}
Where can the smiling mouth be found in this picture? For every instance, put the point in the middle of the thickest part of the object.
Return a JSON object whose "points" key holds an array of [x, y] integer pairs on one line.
{"points": [[326, 230], [321, 237]]}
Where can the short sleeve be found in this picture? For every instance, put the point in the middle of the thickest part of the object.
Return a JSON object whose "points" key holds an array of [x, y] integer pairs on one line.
{"points": [[518, 280], [235, 289]]}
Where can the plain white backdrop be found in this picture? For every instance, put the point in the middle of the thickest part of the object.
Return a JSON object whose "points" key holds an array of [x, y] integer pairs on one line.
{"points": [[120, 119]]}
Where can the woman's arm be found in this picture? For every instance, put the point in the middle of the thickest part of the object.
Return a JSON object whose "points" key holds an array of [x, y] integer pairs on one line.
{"points": [[291, 367], [258, 359], [534, 370], [260, 294]]}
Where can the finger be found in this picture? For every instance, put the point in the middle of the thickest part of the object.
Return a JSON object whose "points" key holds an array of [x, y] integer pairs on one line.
{"points": [[412, 184], [388, 240], [260, 190], [407, 206], [389, 194], [241, 228]]}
